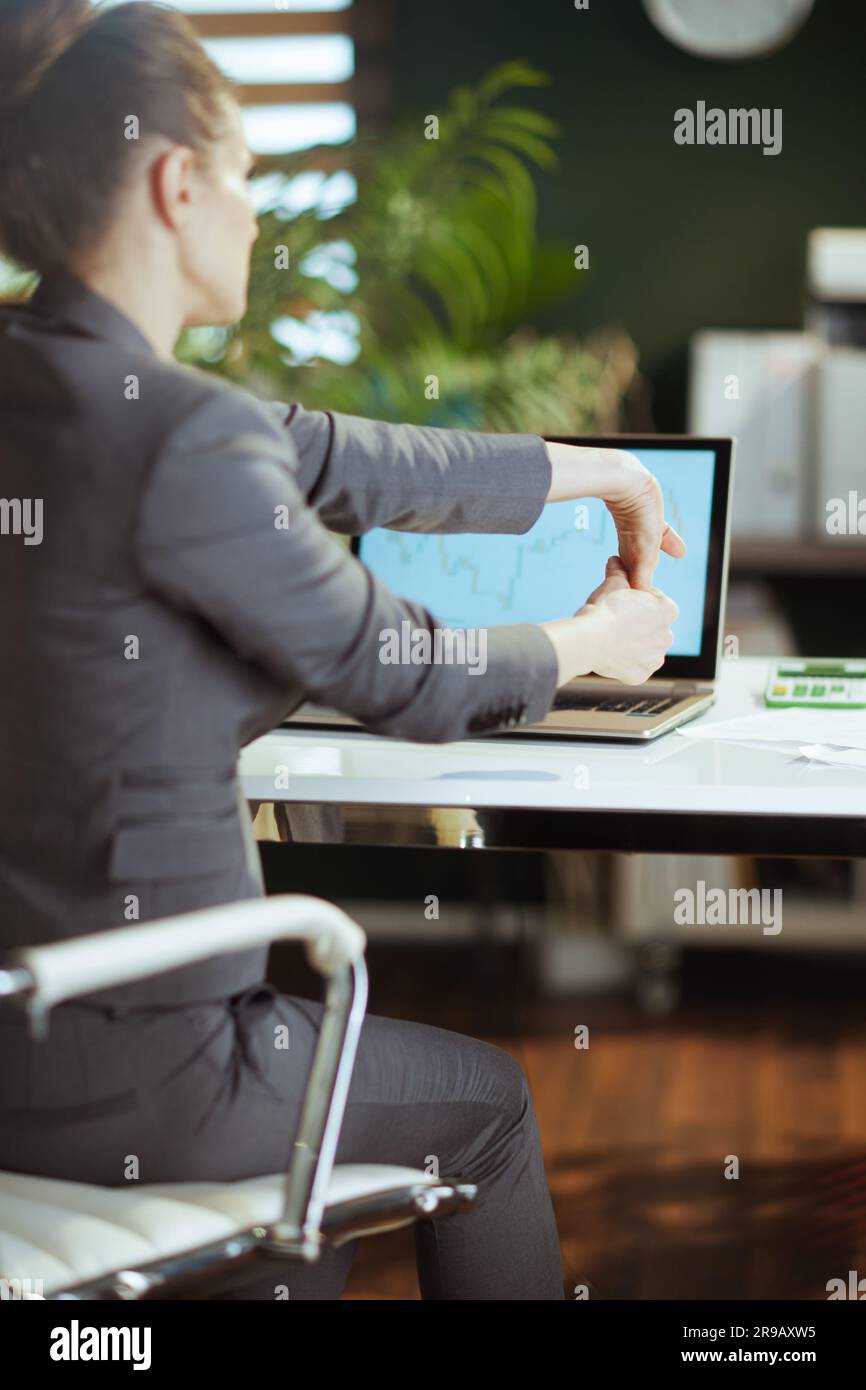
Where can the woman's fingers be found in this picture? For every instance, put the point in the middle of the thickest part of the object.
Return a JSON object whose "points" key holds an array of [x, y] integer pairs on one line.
{"points": [[641, 543], [615, 577], [672, 542]]}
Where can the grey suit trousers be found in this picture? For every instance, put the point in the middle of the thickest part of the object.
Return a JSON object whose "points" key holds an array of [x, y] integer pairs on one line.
{"points": [[212, 1092]]}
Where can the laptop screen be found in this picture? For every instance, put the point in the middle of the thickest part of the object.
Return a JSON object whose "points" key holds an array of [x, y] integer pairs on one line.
{"points": [[471, 580]]}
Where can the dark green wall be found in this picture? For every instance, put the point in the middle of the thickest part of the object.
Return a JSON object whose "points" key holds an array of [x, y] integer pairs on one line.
{"points": [[680, 238]]}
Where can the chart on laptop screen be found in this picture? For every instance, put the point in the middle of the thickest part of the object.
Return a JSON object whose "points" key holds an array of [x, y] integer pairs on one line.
{"points": [[486, 580]]}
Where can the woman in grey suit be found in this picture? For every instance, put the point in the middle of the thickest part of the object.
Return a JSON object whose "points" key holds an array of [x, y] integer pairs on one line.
{"points": [[169, 590]]}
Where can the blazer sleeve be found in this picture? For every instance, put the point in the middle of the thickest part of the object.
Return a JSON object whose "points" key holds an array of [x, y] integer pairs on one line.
{"points": [[223, 531], [358, 474]]}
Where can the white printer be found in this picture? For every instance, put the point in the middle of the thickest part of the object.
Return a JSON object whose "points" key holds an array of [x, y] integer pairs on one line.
{"points": [[796, 401]]}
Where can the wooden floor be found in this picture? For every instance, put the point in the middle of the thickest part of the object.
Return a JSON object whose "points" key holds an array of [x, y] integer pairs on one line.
{"points": [[765, 1061]]}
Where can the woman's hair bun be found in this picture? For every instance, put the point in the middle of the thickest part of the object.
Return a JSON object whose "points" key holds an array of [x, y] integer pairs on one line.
{"points": [[33, 35], [70, 73]]}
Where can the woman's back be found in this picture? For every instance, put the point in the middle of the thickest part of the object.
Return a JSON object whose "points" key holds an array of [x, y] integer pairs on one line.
{"points": [[120, 714]]}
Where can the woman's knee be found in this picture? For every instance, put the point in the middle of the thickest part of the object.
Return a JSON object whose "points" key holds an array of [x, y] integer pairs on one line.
{"points": [[507, 1082]]}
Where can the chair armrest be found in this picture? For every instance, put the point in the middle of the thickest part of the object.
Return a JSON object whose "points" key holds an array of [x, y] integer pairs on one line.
{"points": [[65, 969]]}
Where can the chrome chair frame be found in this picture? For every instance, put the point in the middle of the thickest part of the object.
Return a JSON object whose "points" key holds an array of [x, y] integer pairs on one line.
{"points": [[38, 978]]}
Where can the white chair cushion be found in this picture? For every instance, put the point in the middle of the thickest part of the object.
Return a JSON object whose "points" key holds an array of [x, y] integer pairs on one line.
{"points": [[62, 1233]]}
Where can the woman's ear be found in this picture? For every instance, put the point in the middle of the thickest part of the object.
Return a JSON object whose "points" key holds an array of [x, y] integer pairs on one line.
{"points": [[172, 179]]}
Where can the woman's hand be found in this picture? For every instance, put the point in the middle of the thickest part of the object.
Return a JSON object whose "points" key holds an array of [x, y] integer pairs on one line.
{"points": [[620, 631], [632, 496]]}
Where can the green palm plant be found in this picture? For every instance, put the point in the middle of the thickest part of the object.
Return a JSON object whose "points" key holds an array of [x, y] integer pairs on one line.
{"points": [[437, 269]]}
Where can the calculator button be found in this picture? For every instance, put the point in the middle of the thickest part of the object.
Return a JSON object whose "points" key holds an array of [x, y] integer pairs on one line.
{"points": [[801, 689], [818, 691], [837, 688]]}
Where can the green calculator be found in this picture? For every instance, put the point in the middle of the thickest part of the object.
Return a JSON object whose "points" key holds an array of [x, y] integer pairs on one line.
{"points": [[816, 684]]}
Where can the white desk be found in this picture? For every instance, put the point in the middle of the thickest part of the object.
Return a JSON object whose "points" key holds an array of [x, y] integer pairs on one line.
{"points": [[675, 795]]}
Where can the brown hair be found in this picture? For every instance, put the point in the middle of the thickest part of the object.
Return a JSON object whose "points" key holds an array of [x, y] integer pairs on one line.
{"points": [[71, 76]]}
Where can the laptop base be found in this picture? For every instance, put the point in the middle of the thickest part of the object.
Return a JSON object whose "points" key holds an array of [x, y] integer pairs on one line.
{"points": [[580, 710]]}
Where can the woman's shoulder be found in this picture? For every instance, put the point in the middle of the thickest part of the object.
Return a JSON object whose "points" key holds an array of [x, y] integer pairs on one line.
{"points": [[196, 405], [102, 374]]}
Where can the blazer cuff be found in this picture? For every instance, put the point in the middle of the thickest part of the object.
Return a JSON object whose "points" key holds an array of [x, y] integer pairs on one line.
{"points": [[524, 457], [542, 654], [527, 671], [515, 690]]}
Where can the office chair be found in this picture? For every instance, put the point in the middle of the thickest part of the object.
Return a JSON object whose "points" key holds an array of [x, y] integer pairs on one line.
{"points": [[71, 1240]]}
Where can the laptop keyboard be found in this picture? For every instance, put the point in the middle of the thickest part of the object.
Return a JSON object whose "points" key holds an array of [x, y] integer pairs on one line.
{"points": [[641, 706]]}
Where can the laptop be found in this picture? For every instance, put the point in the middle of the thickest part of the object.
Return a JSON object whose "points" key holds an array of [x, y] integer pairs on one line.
{"points": [[482, 581]]}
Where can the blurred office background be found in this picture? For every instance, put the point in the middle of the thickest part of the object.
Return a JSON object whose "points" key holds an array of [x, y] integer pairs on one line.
{"points": [[720, 290]]}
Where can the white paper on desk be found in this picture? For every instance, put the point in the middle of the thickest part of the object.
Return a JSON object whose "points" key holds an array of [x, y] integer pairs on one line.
{"points": [[314, 762], [837, 757], [788, 728]]}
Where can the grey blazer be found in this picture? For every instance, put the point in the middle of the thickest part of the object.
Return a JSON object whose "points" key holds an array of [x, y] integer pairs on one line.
{"points": [[170, 589]]}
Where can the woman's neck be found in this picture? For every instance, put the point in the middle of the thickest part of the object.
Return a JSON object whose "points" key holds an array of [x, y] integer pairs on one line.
{"points": [[140, 297]]}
